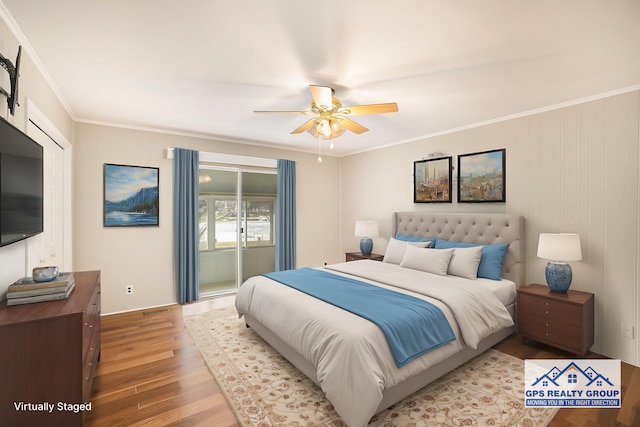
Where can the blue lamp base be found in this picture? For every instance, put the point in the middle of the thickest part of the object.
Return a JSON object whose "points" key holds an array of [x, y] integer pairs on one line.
{"points": [[558, 276], [366, 245]]}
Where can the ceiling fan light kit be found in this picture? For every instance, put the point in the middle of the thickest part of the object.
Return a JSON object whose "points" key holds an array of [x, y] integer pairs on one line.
{"points": [[332, 120]]}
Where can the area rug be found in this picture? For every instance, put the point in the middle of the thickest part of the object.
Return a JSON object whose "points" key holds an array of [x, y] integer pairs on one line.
{"points": [[265, 390]]}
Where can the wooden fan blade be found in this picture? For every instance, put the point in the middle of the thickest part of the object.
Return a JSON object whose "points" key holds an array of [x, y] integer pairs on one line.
{"points": [[305, 126], [313, 130], [354, 127], [390, 107], [322, 96], [284, 112]]}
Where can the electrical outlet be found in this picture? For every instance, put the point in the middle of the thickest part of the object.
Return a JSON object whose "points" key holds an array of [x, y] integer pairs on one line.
{"points": [[627, 331], [128, 290]]}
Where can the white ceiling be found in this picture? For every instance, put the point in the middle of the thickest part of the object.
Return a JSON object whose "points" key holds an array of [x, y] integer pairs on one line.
{"points": [[202, 66]]}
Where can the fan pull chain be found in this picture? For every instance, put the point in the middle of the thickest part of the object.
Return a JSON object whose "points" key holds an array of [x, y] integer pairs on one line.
{"points": [[319, 150]]}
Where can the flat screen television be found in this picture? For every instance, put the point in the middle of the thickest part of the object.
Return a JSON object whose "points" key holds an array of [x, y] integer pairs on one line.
{"points": [[21, 185]]}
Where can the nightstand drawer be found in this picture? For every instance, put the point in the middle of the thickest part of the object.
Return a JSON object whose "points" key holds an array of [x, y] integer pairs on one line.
{"points": [[550, 331], [570, 314]]}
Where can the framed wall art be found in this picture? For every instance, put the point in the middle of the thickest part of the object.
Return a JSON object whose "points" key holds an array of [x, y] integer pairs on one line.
{"points": [[432, 180], [130, 196], [481, 177]]}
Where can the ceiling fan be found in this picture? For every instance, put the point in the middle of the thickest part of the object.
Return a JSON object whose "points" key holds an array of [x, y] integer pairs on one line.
{"points": [[332, 120]]}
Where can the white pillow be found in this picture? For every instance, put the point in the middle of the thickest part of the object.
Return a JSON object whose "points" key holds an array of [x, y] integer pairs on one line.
{"points": [[395, 250], [465, 262], [434, 261]]}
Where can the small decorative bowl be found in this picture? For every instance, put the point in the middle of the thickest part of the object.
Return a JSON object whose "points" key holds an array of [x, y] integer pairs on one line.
{"points": [[45, 274]]}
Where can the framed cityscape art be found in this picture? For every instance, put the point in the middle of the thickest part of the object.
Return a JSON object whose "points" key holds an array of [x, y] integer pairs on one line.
{"points": [[481, 177], [432, 180], [130, 196]]}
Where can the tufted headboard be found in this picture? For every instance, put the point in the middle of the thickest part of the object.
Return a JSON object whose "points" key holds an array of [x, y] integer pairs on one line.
{"points": [[472, 228]]}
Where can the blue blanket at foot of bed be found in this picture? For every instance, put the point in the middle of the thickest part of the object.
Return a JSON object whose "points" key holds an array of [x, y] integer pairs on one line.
{"points": [[412, 326]]}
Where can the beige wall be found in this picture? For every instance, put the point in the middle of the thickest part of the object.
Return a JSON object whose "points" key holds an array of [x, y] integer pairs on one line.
{"points": [[33, 89], [142, 256], [573, 169]]}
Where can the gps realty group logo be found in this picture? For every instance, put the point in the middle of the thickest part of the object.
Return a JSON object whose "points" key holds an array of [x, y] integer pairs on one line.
{"points": [[572, 383]]}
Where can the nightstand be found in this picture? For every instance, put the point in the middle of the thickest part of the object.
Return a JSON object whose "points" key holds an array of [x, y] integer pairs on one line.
{"points": [[562, 320], [353, 256]]}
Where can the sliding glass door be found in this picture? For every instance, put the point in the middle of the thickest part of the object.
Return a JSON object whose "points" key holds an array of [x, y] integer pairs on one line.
{"points": [[237, 209]]}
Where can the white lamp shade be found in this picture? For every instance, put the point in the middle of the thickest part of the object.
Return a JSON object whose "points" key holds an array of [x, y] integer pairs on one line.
{"points": [[559, 247], [366, 229]]}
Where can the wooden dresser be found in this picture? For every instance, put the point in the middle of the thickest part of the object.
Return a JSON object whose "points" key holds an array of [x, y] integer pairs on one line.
{"points": [[48, 355], [562, 320]]}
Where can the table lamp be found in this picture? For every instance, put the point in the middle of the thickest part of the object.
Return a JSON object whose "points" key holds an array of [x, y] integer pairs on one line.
{"points": [[366, 230], [559, 248]]}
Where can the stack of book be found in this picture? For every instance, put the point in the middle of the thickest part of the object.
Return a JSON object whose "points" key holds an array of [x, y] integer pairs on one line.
{"points": [[27, 291]]}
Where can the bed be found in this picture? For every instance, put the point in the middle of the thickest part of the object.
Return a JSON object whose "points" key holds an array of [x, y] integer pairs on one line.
{"points": [[348, 356]]}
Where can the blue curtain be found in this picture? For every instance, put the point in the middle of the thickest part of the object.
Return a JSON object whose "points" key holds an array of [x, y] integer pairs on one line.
{"points": [[286, 216], [185, 224]]}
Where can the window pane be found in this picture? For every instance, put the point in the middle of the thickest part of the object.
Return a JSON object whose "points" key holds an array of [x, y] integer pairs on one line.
{"points": [[226, 225], [203, 215], [259, 222]]}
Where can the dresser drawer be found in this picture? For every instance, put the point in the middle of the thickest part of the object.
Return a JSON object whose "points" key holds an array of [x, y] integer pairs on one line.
{"points": [[550, 331], [570, 314], [89, 367], [91, 321], [93, 307]]}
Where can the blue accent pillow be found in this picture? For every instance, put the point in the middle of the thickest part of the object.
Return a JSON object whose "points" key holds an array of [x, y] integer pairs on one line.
{"points": [[490, 261], [405, 238]]}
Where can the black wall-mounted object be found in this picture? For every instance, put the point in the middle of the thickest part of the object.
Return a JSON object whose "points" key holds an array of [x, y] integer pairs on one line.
{"points": [[21, 185], [14, 73]]}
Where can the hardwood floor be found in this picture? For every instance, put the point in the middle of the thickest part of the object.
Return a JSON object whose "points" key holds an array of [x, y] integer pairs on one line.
{"points": [[150, 374]]}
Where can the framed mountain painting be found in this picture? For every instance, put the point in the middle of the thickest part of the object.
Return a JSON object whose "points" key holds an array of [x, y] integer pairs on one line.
{"points": [[130, 196]]}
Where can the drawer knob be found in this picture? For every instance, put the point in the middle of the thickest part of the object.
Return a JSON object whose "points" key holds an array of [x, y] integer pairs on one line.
{"points": [[546, 312], [546, 333]]}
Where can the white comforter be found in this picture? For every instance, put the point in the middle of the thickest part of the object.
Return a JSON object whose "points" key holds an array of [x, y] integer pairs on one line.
{"points": [[353, 360]]}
